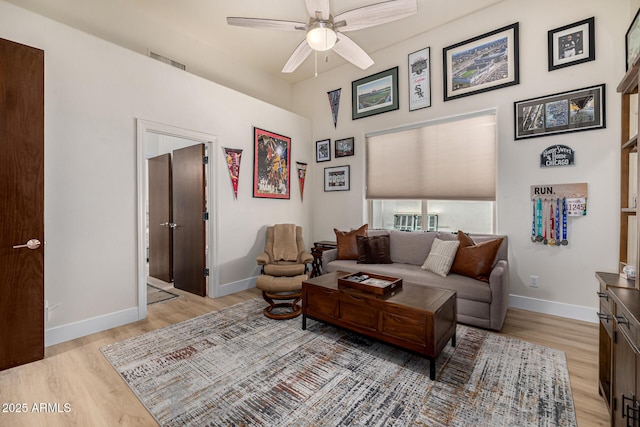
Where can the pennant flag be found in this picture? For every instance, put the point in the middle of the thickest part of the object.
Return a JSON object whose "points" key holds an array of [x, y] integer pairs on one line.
{"points": [[334, 103], [233, 156], [302, 172]]}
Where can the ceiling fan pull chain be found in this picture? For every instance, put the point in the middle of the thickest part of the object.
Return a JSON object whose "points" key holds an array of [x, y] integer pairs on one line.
{"points": [[316, 63]]}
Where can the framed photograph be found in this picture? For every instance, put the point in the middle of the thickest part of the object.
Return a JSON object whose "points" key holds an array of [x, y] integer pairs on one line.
{"points": [[575, 110], [271, 160], [632, 40], [344, 147], [483, 63], [419, 79], [572, 44], [337, 178], [323, 150], [375, 94]]}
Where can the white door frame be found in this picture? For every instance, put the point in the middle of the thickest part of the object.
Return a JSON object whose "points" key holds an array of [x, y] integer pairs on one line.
{"points": [[211, 143]]}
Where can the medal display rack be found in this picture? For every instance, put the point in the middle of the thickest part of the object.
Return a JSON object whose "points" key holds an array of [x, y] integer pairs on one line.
{"points": [[551, 205]]}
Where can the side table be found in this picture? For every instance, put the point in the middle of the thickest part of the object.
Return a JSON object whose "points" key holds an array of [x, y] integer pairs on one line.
{"points": [[316, 251]]}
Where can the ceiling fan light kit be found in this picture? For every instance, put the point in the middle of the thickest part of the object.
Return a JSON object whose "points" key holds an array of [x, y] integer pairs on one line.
{"points": [[321, 36], [324, 31]]}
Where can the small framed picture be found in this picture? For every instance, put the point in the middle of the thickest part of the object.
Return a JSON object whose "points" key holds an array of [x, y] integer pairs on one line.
{"points": [[323, 150], [632, 40], [344, 147], [575, 110], [337, 178], [487, 62], [419, 79], [375, 94], [572, 44]]}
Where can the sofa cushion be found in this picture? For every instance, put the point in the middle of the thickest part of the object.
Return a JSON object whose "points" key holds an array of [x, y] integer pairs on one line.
{"points": [[373, 249], [475, 260], [465, 287], [346, 240], [441, 256], [410, 247]]}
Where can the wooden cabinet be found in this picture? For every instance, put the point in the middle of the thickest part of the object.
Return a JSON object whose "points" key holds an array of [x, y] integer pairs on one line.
{"points": [[616, 364], [625, 389]]}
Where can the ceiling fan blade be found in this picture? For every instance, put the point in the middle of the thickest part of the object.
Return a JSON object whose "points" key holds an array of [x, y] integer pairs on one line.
{"points": [[297, 57], [375, 14], [353, 53], [268, 24], [321, 6]]}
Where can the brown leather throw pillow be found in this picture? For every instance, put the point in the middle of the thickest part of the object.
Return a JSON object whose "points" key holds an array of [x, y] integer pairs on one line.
{"points": [[373, 250], [347, 246], [474, 260]]}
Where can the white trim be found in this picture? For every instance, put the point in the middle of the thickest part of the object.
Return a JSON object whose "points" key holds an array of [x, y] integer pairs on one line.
{"points": [[90, 326], [144, 126], [570, 311], [240, 285]]}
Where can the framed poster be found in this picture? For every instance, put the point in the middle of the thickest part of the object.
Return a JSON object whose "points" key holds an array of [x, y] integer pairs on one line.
{"points": [[337, 178], [419, 79], [375, 94], [323, 150], [632, 40], [271, 160], [486, 62], [575, 110], [572, 44], [344, 147]]}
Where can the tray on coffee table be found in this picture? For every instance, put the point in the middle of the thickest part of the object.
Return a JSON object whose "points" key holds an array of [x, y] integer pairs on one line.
{"points": [[369, 282]]}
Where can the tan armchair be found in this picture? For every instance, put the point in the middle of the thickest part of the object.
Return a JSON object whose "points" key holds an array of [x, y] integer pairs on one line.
{"points": [[284, 264], [284, 251]]}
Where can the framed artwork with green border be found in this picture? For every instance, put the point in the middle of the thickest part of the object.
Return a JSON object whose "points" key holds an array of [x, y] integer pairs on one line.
{"points": [[375, 94]]}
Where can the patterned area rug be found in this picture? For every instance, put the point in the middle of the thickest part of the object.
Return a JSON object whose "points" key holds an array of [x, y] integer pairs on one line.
{"points": [[156, 294], [235, 367]]}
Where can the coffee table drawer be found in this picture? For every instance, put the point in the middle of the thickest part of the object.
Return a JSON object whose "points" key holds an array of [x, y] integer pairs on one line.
{"points": [[407, 326], [321, 301], [356, 311]]}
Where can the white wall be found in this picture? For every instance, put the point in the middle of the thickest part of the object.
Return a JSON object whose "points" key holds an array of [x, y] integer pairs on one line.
{"points": [[566, 274], [94, 91]]}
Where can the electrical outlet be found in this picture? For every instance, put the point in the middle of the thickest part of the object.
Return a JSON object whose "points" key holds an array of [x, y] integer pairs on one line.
{"points": [[533, 281]]}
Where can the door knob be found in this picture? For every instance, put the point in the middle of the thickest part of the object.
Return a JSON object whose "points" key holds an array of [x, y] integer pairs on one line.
{"points": [[31, 244]]}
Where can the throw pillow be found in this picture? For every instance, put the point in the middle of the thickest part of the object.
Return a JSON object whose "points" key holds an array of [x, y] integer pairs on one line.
{"points": [[373, 250], [475, 260], [346, 240], [441, 256]]}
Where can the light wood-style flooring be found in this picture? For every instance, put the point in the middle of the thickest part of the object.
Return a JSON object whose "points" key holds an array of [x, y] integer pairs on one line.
{"points": [[76, 373]]}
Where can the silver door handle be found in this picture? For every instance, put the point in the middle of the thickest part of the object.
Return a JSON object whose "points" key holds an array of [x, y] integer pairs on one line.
{"points": [[31, 244], [169, 225]]}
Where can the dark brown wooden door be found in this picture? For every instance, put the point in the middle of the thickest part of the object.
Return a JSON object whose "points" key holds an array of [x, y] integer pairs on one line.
{"points": [[21, 204], [160, 218], [189, 234]]}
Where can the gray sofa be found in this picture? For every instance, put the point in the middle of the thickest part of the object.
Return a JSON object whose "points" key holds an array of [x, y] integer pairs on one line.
{"points": [[479, 303]]}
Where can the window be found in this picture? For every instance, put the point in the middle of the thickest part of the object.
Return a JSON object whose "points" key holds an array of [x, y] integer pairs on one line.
{"points": [[444, 171]]}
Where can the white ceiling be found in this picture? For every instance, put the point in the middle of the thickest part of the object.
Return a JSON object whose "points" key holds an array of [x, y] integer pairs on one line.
{"points": [[186, 30]]}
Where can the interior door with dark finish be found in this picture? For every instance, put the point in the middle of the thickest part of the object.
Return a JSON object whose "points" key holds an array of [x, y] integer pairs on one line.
{"points": [[189, 233], [160, 218], [21, 204]]}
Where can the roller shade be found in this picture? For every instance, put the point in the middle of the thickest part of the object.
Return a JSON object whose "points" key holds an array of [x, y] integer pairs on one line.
{"points": [[450, 159]]}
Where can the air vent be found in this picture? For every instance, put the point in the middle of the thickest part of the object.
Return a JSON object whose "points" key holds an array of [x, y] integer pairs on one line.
{"points": [[167, 61]]}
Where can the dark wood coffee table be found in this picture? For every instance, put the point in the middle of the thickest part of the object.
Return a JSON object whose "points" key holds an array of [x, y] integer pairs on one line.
{"points": [[417, 318]]}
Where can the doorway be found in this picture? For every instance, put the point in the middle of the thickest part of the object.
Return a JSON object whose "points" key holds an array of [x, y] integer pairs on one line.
{"points": [[156, 140]]}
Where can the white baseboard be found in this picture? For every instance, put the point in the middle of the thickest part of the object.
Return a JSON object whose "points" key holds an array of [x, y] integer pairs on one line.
{"points": [[240, 285], [570, 311], [89, 326]]}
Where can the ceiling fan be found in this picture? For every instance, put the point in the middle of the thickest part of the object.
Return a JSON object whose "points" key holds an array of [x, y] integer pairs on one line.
{"points": [[325, 32]]}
